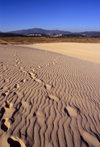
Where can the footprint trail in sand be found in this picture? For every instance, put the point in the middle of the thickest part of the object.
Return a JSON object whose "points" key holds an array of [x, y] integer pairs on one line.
{"points": [[48, 99]]}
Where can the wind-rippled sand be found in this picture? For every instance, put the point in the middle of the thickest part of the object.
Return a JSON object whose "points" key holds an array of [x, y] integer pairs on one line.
{"points": [[48, 99]]}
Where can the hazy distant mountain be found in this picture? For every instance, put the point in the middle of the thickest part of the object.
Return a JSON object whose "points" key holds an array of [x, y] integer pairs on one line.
{"points": [[39, 31], [52, 32], [1, 33], [91, 33], [4, 34]]}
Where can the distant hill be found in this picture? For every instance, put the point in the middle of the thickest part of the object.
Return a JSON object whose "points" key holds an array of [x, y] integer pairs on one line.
{"points": [[57, 33], [4, 34], [39, 31], [91, 33]]}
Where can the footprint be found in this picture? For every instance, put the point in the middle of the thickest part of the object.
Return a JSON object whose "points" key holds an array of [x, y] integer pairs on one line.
{"points": [[23, 81], [16, 86], [8, 110], [48, 87], [52, 97], [5, 124], [71, 111], [17, 62], [5, 113], [6, 80], [32, 75], [24, 71], [33, 70], [4, 88], [5, 94], [8, 104], [15, 142], [38, 80], [2, 111], [21, 68], [39, 66], [90, 139]]}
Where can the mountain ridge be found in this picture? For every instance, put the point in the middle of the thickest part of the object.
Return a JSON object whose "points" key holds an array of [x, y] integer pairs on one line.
{"points": [[51, 32], [39, 30]]}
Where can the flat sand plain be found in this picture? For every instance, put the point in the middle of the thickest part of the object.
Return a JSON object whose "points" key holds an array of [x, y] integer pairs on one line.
{"points": [[48, 99], [83, 51]]}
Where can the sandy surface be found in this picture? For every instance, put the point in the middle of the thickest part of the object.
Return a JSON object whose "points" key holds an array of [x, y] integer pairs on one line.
{"points": [[84, 51], [48, 99]]}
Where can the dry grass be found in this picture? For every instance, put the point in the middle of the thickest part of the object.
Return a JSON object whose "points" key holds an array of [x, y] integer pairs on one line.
{"points": [[32, 40]]}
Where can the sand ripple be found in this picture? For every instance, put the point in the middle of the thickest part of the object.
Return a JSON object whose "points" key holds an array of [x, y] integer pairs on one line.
{"points": [[48, 99]]}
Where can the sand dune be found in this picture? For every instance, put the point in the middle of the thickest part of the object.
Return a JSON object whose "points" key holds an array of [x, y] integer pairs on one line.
{"points": [[48, 99], [84, 51]]}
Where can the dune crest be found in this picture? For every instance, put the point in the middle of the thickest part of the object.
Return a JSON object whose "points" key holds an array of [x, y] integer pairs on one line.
{"points": [[84, 51]]}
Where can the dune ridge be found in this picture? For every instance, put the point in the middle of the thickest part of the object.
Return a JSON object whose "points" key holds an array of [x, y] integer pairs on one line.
{"points": [[84, 51], [48, 99]]}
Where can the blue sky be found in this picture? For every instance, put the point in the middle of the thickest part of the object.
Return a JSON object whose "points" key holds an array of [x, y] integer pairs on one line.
{"points": [[71, 15]]}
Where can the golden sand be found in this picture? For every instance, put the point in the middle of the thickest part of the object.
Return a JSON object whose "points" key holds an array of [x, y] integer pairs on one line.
{"points": [[49, 99]]}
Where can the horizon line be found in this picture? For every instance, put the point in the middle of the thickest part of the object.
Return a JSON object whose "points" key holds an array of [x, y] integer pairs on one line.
{"points": [[92, 30]]}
